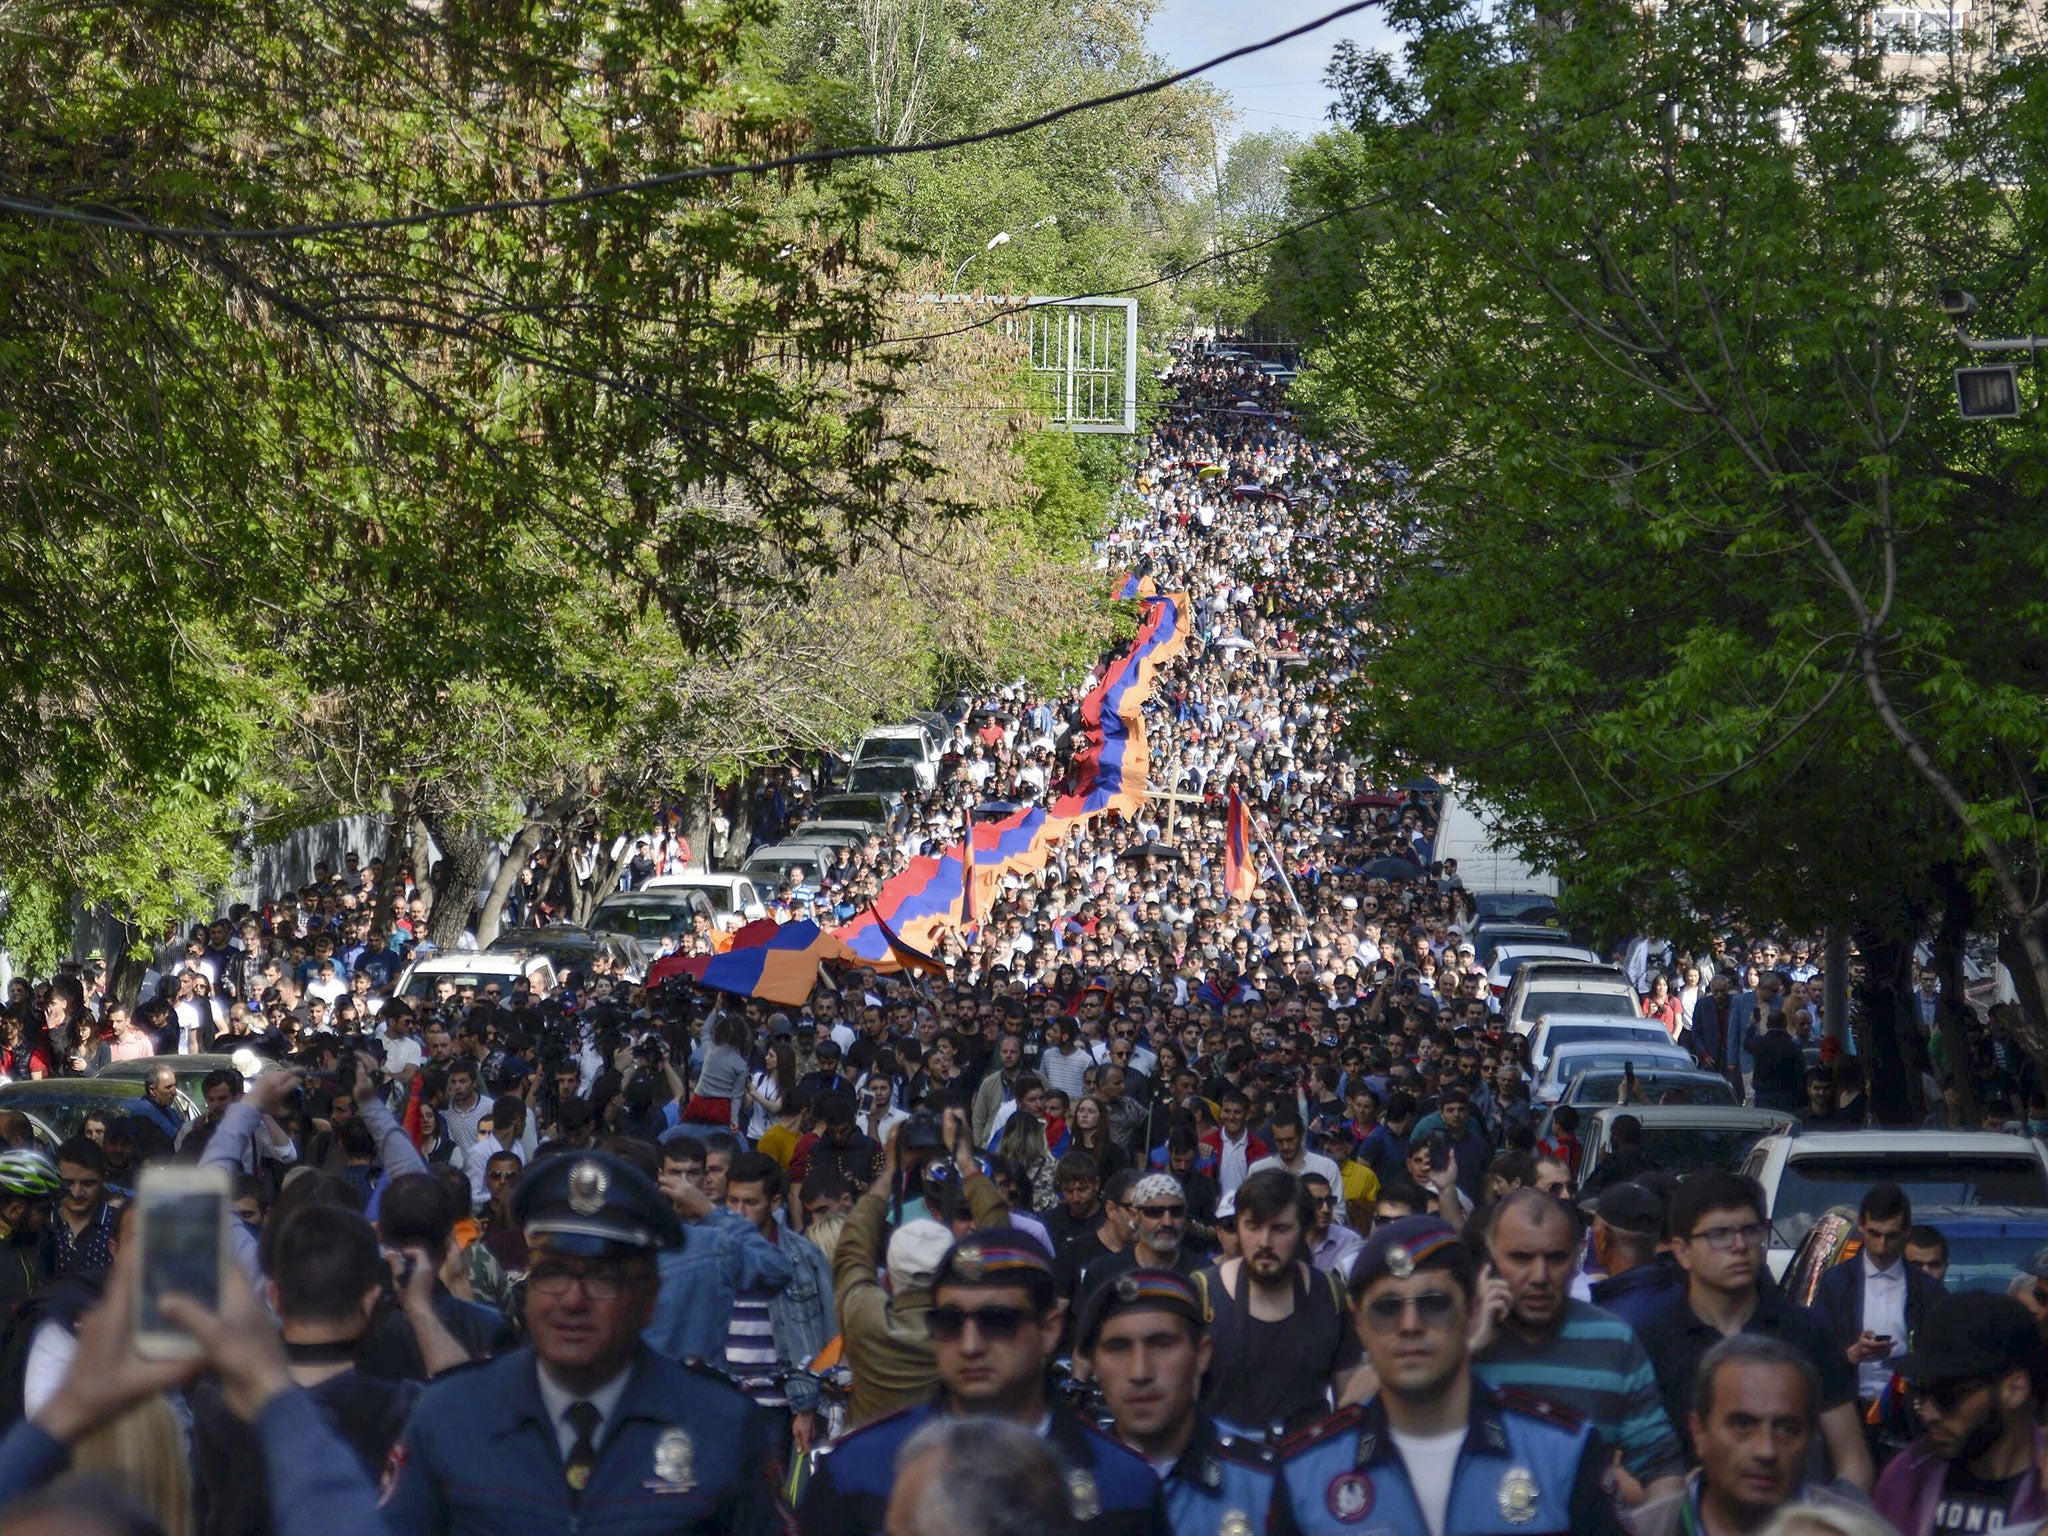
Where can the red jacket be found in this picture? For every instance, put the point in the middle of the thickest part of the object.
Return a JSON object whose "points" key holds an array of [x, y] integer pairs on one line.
{"points": [[1254, 1149]]}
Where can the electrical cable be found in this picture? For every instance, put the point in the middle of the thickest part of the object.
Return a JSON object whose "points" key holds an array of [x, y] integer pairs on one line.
{"points": [[63, 214]]}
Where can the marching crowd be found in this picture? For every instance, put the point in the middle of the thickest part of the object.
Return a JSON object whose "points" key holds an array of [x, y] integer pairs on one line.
{"points": [[1162, 1209]]}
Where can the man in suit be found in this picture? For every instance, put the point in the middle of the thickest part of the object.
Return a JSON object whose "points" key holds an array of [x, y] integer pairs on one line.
{"points": [[1875, 1304], [1726, 1023]]}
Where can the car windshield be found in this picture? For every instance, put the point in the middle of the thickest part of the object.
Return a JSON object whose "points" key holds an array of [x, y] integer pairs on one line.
{"points": [[1515, 960], [778, 868], [720, 896], [872, 775], [1501, 906], [573, 946], [1693, 1148], [1989, 1262], [1602, 1085], [424, 983], [1810, 1185], [63, 1104], [647, 918], [1566, 1067], [903, 748], [1539, 1003]]}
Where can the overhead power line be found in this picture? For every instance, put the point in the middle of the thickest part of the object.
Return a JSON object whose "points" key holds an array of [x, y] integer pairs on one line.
{"points": [[127, 224]]}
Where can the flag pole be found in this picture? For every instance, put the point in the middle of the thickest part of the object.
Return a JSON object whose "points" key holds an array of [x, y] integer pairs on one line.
{"points": [[1286, 884]]}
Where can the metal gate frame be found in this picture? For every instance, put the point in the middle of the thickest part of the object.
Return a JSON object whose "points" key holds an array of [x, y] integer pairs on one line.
{"points": [[1078, 362]]}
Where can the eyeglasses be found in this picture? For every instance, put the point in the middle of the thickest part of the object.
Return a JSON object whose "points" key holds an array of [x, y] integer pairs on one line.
{"points": [[1436, 1309], [948, 1324], [1948, 1396], [1329, 1200], [598, 1284], [1750, 1234], [1162, 1212]]}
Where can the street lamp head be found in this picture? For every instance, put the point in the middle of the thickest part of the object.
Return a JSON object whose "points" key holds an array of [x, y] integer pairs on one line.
{"points": [[1001, 237], [1989, 393], [1957, 303]]}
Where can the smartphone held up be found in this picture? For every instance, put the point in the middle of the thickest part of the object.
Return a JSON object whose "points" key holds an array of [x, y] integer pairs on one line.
{"points": [[182, 1229]]}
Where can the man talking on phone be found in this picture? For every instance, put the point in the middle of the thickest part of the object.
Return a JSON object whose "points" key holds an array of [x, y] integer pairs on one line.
{"points": [[585, 1425]]}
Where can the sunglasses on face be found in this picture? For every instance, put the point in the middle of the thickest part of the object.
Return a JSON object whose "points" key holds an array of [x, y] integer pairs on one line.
{"points": [[948, 1324], [1436, 1309], [1162, 1212]]}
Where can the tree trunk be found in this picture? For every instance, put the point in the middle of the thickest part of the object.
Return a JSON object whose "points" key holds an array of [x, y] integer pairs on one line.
{"points": [[395, 839], [604, 877], [1887, 1011], [1952, 1013], [464, 856], [696, 810], [420, 841], [127, 966], [521, 853], [2023, 948]]}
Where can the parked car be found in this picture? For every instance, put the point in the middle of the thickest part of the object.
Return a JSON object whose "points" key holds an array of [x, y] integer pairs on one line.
{"points": [[735, 899], [1532, 907], [1617, 1037], [56, 1107], [876, 812], [1574, 1058], [1805, 1174], [911, 744], [1568, 987], [192, 1068], [882, 777], [1490, 939], [645, 918], [1655, 1085], [570, 947], [1682, 1138], [481, 970], [1988, 1245], [1511, 958], [833, 834], [801, 863]]}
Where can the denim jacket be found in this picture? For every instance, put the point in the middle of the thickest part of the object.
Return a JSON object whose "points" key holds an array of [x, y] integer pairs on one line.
{"points": [[801, 1314], [721, 1256]]}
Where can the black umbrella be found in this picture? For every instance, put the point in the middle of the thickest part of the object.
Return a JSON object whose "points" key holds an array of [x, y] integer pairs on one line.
{"points": [[1391, 868]]}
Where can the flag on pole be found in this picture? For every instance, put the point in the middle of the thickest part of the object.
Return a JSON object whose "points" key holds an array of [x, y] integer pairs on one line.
{"points": [[970, 906], [1240, 874]]}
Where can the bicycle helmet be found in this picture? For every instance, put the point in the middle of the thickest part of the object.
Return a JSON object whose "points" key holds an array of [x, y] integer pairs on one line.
{"points": [[28, 1171]]}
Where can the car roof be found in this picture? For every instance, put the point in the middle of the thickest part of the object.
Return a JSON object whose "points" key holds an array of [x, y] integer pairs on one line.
{"points": [[1617, 1021], [695, 879], [1559, 968], [1706, 1115], [58, 1089], [183, 1063], [510, 962], [1911, 1139]]}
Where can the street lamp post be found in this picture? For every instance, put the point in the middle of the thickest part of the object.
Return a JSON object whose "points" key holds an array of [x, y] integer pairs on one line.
{"points": [[1001, 237]]}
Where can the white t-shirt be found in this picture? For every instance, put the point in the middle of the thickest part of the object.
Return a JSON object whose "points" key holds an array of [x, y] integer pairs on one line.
{"points": [[1431, 1461]]}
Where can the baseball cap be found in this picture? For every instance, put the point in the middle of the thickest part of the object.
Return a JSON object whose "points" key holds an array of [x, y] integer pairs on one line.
{"points": [[1629, 1207], [1972, 1334], [915, 1249]]}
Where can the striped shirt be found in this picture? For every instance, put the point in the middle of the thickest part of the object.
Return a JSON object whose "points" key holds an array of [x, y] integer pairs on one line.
{"points": [[1592, 1366], [750, 1345]]}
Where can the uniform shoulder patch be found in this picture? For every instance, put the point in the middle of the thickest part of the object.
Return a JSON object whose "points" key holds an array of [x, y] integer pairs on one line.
{"points": [[1340, 1422], [1246, 1453], [1518, 1400]]}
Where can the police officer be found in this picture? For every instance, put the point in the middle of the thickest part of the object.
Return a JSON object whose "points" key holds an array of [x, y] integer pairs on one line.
{"points": [[1144, 1338], [1436, 1451], [585, 1429], [994, 1323]]}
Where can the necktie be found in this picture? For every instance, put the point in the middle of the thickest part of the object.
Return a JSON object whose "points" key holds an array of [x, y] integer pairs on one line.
{"points": [[584, 1418]]}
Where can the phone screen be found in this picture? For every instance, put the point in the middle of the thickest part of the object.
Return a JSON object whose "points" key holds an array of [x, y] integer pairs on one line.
{"points": [[181, 1253], [1439, 1151]]}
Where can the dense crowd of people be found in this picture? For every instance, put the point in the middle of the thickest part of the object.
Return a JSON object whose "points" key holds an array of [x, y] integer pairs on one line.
{"points": [[1162, 1209]]}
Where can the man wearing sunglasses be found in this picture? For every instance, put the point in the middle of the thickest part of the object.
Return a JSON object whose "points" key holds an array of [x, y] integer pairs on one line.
{"points": [[1975, 1373], [1436, 1452], [586, 1425], [1159, 1207], [994, 1323]]}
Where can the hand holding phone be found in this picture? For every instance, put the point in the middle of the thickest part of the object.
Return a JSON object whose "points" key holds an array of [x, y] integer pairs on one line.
{"points": [[182, 1243]]}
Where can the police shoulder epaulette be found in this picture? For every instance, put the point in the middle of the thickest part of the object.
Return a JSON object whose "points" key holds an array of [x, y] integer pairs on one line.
{"points": [[1337, 1423], [1523, 1402], [1249, 1453]]}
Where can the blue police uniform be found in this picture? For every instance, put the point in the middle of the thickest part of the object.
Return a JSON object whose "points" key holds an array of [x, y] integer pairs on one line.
{"points": [[1114, 1492], [480, 1458], [679, 1453], [1527, 1468], [1221, 1486]]}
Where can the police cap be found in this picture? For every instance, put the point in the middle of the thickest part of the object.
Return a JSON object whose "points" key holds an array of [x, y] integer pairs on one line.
{"points": [[995, 1256], [1137, 1290], [1400, 1248], [595, 1205]]}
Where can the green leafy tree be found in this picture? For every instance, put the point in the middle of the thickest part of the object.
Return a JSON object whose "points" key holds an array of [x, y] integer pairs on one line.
{"points": [[1691, 567]]}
